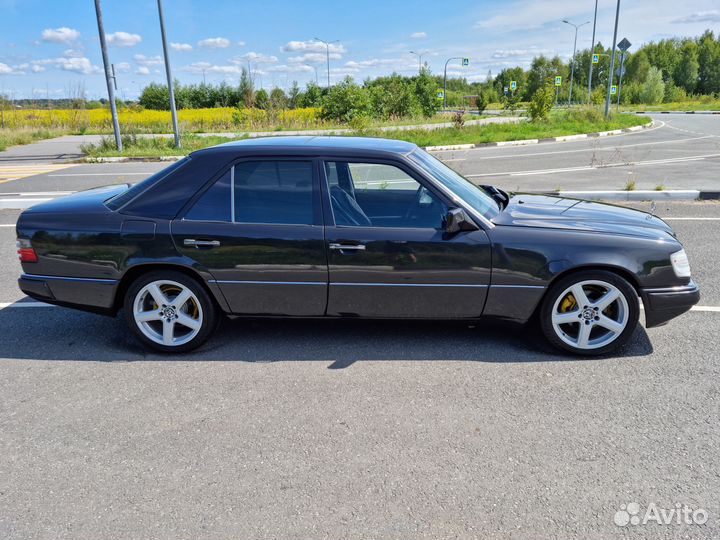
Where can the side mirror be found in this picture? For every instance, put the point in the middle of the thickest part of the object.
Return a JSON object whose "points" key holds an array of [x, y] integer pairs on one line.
{"points": [[457, 220]]}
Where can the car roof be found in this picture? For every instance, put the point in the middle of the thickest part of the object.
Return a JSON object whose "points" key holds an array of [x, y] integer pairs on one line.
{"points": [[311, 145]]}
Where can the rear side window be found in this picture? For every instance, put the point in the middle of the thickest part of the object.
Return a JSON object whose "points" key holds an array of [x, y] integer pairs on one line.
{"points": [[120, 200], [274, 192], [267, 192]]}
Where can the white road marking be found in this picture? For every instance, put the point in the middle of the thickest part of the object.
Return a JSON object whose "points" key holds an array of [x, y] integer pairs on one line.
{"points": [[7, 225], [602, 166]]}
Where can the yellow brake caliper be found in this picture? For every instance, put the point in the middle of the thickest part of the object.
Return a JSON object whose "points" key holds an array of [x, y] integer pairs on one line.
{"points": [[568, 303]]}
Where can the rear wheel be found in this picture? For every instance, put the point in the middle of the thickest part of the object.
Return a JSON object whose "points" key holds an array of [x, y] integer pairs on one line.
{"points": [[169, 311], [590, 312]]}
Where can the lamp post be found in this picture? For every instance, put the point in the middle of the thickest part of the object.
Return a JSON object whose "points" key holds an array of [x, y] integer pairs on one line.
{"points": [[316, 73], [572, 65], [108, 76], [612, 61], [445, 78], [168, 73], [592, 53], [327, 48], [419, 55]]}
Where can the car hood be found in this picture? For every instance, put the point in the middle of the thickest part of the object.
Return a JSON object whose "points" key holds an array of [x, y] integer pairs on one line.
{"points": [[89, 201], [524, 210]]}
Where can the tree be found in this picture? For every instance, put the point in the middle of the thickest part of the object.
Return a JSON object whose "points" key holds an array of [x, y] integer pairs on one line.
{"points": [[542, 100], [278, 99], [246, 90], [540, 69], [312, 97], [426, 93], [392, 97], [294, 95], [709, 64], [155, 96], [346, 101], [653, 89], [637, 67], [688, 68], [262, 100]]}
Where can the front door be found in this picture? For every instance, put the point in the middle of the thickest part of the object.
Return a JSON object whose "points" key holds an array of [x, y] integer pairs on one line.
{"points": [[388, 253], [258, 231]]}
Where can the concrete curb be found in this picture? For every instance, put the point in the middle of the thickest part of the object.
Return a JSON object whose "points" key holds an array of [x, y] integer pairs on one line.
{"points": [[128, 159], [676, 112], [524, 142]]}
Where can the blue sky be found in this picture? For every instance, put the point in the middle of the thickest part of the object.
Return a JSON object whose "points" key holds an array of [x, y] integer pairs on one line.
{"points": [[51, 48]]}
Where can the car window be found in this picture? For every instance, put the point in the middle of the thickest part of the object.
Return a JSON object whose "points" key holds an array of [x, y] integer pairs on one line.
{"points": [[119, 200], [279, 192], [382, 195], [214, 204]]}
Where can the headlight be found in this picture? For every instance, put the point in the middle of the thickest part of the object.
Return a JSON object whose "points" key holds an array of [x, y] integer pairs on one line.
{"points": [[680, 263]]}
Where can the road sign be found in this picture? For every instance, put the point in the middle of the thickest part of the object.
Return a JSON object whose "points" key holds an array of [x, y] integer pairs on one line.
{"points": [[505, 90], [596, 58], [440, 94], [513, 85], [466, 62], [613, 89], [558, 81], [624, 45]]}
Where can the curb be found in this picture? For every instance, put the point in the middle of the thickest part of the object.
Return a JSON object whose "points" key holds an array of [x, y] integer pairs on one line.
{"points": [[128, 159], [677, 112], [524, 142]]}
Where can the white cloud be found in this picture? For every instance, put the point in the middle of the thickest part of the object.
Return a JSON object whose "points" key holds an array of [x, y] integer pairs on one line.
{"points": [[143, 60], [255, 57], [214, 43], [394, 64], [37, 69], [521, 53], [142, 70], [527, 14], [207, 67], [60, 35], [313, 58], [418, 35], [183, 47], [313, 46], [76, 64], [290, 69], [5, 69], [712, 16], [123, 39], [241, 43], [122, 67], [73, 53]]}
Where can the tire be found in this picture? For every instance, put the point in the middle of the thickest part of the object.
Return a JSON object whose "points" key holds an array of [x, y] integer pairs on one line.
{"points": [[152, 313], [589, 313]]}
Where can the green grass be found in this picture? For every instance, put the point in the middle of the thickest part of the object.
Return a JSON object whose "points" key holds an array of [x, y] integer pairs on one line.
{"points": [[704, 103], [558, 124], [10, 138]]}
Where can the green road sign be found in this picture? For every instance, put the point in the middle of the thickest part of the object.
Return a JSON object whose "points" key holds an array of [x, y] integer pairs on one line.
{"points": [[558, 81], [613, 89], [596, 58], [466, 62], [513, 85]]}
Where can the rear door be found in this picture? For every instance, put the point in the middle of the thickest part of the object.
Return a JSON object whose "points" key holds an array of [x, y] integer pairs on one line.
{"points": [[388, 252], [258, 230]]}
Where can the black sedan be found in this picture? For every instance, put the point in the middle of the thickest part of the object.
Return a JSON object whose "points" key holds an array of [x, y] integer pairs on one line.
{"points": [[348, 227]]}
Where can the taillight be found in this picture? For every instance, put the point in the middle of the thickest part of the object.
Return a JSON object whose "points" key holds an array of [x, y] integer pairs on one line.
{"points": [[25, 251]]}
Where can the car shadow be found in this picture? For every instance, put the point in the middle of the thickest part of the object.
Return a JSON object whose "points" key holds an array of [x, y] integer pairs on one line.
{"points": [[63, 334]]}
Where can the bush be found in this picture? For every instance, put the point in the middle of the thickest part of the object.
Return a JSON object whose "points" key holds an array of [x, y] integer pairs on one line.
{"points": [[483, 100], [674, 93], [592, 115], [426, 92], [542, 101], [345, 101], [458, 119]]}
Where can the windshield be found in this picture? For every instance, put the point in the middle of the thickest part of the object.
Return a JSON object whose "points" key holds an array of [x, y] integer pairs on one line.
{"points": [[471, 194]]}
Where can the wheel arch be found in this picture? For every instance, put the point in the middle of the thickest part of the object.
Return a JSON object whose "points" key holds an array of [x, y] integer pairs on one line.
{"points": [[134, 272]]}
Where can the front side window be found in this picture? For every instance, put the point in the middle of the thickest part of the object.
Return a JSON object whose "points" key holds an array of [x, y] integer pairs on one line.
{"points": [[380, 195], [263, 192]]}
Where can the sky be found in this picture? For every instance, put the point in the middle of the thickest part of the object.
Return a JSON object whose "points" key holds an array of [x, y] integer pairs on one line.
{"points": [[51, 48]]}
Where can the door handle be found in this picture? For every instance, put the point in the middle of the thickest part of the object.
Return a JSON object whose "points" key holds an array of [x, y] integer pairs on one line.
{"points": [[201, 243], [348, 247]]}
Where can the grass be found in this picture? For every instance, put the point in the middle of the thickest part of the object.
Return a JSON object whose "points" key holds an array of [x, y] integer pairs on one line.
{"points": [[560, 123], [14, 137], [704, 103]]}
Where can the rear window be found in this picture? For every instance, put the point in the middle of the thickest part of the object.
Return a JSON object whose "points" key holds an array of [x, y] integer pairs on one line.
{"points": [[121, 199]]}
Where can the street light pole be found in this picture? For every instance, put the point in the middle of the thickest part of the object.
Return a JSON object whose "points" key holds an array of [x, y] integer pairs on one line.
{"points": [[592, 53], [445, 79], [612, 61], [572, 65], [419, 55], [168, 73], [108, 76], [327, 49]]}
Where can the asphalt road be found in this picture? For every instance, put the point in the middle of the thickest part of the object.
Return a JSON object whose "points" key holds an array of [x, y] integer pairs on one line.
{"points": [[351, 429], [681, 152]]}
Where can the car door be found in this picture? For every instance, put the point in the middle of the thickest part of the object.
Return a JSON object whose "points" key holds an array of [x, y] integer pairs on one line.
{"points": [[388, 252], [258, 230]]}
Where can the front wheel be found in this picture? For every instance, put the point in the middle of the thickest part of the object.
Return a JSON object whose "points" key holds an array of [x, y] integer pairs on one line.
{"points": [[590, 312], [169, 311]]}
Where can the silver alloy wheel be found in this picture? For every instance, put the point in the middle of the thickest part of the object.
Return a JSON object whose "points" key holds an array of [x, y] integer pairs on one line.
{"points": [[590, 314], [168, 313]]}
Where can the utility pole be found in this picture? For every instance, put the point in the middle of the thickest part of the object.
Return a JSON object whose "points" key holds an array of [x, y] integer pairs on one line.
{"points": [[592, 53], [612, 61], [419, 55], [171, 91], [108, 76], [327, 48], [445, 78], [572, 65]]}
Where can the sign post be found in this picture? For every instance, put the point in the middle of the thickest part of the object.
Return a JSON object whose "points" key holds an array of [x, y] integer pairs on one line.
{"points": [[624, 45], [558, 84]]}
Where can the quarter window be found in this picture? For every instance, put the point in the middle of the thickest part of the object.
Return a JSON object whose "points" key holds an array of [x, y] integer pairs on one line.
{"points": [[214, 205], [381, 195]]}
